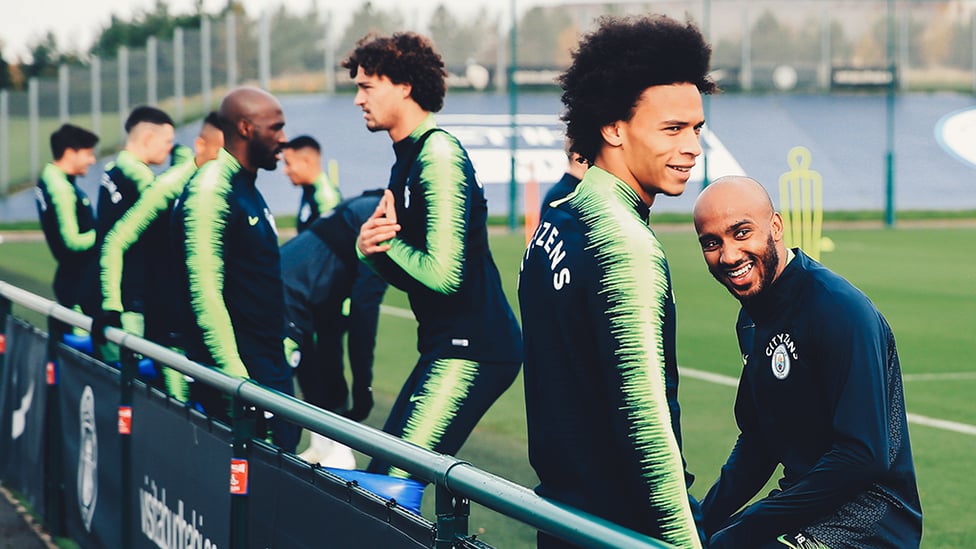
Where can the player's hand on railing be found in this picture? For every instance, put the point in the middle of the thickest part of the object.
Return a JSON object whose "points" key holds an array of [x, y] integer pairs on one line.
{"points": [[103, 320]]}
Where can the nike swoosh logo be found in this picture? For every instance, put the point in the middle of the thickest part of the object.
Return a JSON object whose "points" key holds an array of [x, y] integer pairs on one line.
{"points": [[253, 220], [415, 398]]}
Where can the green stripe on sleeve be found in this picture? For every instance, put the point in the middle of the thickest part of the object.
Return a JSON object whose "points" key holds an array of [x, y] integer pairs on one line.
{"points": [[126, 231], [135, 169], [206, 210], [64, 198], [636, 286], [445, 189], [326, 194]]}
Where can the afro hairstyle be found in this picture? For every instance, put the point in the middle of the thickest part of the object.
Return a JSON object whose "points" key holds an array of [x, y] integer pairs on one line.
{"points": [[613, 66]]}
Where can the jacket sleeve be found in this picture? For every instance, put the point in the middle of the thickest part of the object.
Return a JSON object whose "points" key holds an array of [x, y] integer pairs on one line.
{"points": [[126, 231], [745, 472], [630, 332], [327, 195], [208, 216], [364, 313], [439, 264], [302, 267], [63, 200]]}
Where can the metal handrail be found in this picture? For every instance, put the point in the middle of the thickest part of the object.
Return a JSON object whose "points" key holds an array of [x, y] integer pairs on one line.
{"points": [[459, 477]]}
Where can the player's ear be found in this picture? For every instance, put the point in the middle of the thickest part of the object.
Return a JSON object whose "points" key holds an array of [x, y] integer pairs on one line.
{"points": [[406, 89], [611, 134], [245, 128], [776, 227]]}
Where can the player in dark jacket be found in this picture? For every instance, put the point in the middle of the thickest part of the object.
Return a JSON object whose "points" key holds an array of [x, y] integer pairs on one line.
{"points": [[821, 394], [67, 219], [429, 238], [601, 376], [303, 166], [149, 141], [147, 223], [567, 183], [320, 271], [229, 244]]}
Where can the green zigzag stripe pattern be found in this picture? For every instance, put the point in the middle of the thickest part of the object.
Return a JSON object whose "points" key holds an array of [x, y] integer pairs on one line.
{"points": [[63, 199], [635, 284], [135, 169], [206, 212], [448, 385], [327, 195], [442, 168], [127, 230]]}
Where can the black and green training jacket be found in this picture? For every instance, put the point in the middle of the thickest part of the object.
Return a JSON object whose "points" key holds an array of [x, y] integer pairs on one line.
{"points": [[441, 256]]}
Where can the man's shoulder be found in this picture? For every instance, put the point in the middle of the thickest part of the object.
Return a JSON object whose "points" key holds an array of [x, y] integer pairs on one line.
{"points": [[210, 176], [831, 295], [439, 143]]}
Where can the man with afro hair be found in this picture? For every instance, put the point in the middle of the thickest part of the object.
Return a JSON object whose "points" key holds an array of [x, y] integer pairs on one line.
{"points": [[428, 236], [601, 377]]}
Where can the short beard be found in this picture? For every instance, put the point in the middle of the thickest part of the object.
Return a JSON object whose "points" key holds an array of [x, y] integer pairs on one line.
{"points": [[769, 260], [260, 156]]}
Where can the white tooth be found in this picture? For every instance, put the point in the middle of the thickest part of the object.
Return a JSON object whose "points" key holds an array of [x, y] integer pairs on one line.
{"points": [[739, 272]]}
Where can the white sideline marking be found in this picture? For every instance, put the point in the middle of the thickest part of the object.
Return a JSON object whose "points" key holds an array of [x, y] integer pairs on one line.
{"points": [[943, 424], [939, 377], [912, 418], [729, 381], [718, 379]]}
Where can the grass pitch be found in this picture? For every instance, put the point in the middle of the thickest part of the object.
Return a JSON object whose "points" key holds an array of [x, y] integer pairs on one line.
{"points": [[923, 280]]}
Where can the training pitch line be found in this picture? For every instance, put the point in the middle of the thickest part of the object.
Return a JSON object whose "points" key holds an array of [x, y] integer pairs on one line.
{"points": [[912, 418], [730, 381]]}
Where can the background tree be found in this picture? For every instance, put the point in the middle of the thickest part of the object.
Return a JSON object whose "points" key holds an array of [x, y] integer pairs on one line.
{"points": [[45, 58], [542, 35], [367, 18], [460, 42], [297, 40], [133, 34], [6, 82]]}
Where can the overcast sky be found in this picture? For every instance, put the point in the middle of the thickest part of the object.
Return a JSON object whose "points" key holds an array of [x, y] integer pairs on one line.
{"points": [[77, 22]]}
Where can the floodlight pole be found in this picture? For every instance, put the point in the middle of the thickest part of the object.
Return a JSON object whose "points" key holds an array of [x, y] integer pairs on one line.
{"points": [[706, 100], [513, 126], [890, 121]]}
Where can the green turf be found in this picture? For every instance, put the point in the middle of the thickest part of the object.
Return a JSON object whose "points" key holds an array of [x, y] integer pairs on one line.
{"points": [[923, 280]]}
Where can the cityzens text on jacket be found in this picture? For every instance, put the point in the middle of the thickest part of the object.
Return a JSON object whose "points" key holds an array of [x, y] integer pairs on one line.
{"points": [[547, 238]]}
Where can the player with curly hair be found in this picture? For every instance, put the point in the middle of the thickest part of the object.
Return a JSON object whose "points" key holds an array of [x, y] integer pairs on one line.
{"points": [[601, 377], [429, 237]]}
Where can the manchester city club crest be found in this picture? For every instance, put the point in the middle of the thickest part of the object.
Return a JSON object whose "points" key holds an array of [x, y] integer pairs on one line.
{"points": [[781, 362], [87, 459]]}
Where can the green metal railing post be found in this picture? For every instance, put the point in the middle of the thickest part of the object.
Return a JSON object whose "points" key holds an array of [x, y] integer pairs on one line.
{"points": [[512, 113], [452, 517], [244, 426], [706, 100], [129, 366], [54, 510], [890, 121]]}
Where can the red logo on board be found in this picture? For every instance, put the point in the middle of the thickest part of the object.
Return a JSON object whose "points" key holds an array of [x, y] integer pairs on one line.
{"points": [[238, 477]]}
